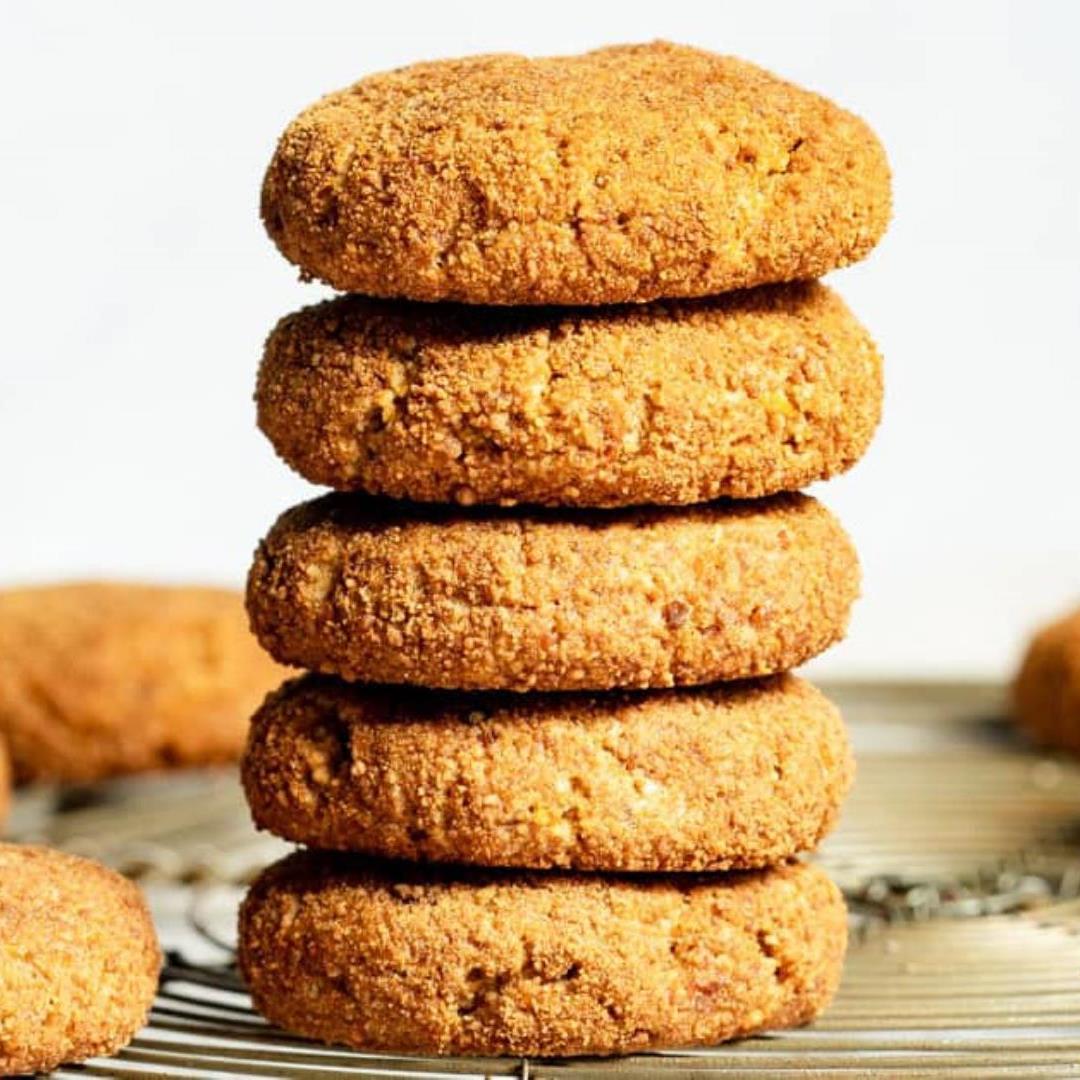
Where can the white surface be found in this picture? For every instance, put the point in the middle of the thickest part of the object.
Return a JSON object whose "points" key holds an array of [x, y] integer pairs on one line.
{"points": [[137, 284]]}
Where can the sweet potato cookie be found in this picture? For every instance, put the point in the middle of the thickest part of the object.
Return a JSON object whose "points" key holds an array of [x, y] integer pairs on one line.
{"points": [[102, 679], [741, 395], [625, 174], [741, 776], [79, 959], [589, 600], [392, 957], [1046, 693]]}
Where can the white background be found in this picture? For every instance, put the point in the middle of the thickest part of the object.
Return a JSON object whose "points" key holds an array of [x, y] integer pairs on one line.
{"points": [[137, 285]]}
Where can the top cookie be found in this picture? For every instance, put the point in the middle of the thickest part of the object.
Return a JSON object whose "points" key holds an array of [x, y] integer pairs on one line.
{"points": [[626, 174]]}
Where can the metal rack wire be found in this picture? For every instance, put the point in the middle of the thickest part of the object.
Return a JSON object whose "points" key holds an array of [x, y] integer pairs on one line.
{"points": [[959, 853]]}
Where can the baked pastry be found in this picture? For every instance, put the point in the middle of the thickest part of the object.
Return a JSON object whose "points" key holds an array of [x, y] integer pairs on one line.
{"points": [[625, 174], [99, 679], [739, 775], [589, 600], [79, 959], [740, 396], [392, 957], [1046, 692]]}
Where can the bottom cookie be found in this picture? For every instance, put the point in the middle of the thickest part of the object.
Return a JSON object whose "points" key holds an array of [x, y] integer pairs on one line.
{"points": [[391, 956]]}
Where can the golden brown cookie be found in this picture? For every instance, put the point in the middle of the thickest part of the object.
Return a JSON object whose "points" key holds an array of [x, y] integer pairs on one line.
{"points": [[396, 957], [626, 174], [1046, 692], [741, 395], [101, 679], [589, 600], [5, 782], [79, 959], [738, 776]]}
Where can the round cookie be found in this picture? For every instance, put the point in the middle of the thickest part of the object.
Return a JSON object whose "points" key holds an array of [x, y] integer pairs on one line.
{"points": [[626, 174], [740, 395], [393, 957], [1046, 693], [102, 679], [737, 776], [79, 960], [498, 600]]}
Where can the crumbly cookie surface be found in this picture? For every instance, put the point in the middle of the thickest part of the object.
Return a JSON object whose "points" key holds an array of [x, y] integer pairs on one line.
{"points": [[742, 395], [393, 957], [79, 959], [1046, 692], [737, 776], [589, 600], [100, 679], [625, 174]]}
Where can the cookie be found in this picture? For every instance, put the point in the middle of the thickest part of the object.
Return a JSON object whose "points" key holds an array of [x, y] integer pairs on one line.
{"points": [[399, 958], [741, 395], [589, 600], [5, 782], [102, 679], [625, 174], [737, 776], [79, 960], [1046, 693]]}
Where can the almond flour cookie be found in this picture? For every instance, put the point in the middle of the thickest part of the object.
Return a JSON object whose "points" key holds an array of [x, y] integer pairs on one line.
{"points": [[392, 957], [741, 395], [589, 600], [79, 960], [738, 776], [5, 782], [1046, 693], [625, 174], [101, 679]]}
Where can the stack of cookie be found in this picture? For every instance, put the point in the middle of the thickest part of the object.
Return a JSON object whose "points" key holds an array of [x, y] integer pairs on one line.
{"points": [[552, 773]]}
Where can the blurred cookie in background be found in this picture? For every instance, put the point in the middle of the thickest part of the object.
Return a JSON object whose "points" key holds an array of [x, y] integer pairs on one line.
{"points": [[102, 679], [79, 959], [1046, 693], [5, 783]]}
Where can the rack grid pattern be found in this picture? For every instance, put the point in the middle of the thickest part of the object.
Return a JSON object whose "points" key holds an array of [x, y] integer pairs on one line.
{"points": [[959, 853]]}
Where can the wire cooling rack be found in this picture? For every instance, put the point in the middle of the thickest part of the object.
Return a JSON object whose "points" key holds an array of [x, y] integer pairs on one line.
{"points": [[959, 853]]}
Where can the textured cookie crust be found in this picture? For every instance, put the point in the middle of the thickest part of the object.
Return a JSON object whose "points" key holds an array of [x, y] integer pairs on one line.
{"points": [[394, 957], [742, 395], [625, 174], [589, 600], [1046, 693], [742, 776], [101, 679], [79, 960]]}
